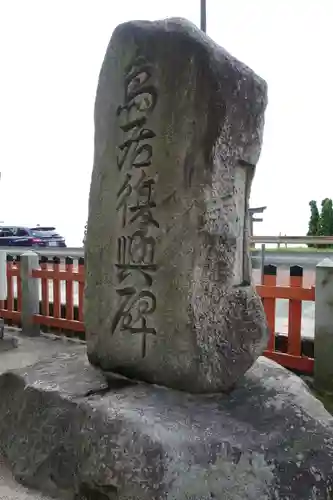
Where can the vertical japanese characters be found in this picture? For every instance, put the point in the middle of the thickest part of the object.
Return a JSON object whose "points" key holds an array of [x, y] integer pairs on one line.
{"points": [[135, 259]]}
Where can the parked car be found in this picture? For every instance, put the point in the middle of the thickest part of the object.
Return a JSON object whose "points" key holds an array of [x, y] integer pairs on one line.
{"points": [[35, 237]]}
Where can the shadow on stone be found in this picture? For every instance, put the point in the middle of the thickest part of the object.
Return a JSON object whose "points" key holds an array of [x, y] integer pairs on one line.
{"points": [[114, 381], [87, 492]]}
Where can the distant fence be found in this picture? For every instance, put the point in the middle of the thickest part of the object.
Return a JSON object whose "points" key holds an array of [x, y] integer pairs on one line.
{"points": [[50, 296], [77, 252], [60, 298], [62, 318], [293, 240]]}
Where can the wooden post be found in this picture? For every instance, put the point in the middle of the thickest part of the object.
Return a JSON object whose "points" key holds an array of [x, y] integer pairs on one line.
{"points": [[203, 23], [30, 293], [262, 263], [3, 286], [252, 244], [323, 341]]}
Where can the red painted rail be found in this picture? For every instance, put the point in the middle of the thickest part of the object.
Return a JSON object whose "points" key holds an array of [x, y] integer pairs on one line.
{"points": [[64, 311], [54, 275], [295, 293], [10, 309]]}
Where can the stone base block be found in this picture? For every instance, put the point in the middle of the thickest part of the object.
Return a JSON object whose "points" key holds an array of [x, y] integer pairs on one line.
{"points": [[68, 430]]}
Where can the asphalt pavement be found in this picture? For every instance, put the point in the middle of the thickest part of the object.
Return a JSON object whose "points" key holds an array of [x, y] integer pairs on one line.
{"points": [[283, 258]]}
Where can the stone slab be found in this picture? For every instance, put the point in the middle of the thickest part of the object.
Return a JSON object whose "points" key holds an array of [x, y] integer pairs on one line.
{"points": [[12, 490], [178, 131], [29, 351], [69, 431]]}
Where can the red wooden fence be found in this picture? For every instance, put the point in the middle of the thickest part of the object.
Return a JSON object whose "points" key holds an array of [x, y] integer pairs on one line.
{"points": [[67, 315], [54, 274], [295, 293], [11, 309]]}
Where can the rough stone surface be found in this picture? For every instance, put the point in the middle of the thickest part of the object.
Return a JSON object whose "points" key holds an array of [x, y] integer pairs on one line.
{"points": [[30, 350], [178, 129], [67, 431], [8, 343], [11, 490]]}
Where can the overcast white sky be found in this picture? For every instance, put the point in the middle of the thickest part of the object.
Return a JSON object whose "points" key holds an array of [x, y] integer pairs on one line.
{"points": [[51, 52]]}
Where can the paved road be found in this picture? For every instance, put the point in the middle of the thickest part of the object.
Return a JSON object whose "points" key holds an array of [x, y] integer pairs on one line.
{"points": [[278, 258], [308, 260]]}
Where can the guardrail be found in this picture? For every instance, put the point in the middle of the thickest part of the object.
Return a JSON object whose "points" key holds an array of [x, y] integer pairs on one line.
{"points": [[44, 295], [74, 252], [77, 252], [293, 240]]}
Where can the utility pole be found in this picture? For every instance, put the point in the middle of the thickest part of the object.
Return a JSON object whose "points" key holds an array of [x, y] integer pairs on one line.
{"points": [[203, 15]]}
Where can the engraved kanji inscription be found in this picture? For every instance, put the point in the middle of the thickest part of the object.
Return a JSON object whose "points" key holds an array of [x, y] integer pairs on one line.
{"points": [[136, 249]]}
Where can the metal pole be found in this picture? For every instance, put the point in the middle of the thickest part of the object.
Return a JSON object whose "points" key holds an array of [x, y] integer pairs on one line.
{"points": [[203, 15], [262, 263]]}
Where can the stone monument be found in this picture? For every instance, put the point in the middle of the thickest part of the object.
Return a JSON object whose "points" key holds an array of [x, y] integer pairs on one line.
{"points": [[168, 300], [178, 130]]}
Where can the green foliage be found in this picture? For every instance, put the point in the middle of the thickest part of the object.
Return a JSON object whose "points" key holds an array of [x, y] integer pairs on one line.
{"points": [[85, 233], [314, 219], [326, 218], [321, 224]]}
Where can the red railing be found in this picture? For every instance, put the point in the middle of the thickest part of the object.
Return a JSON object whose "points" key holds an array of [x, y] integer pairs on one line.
{"points": [[61, 304], [55, 275], [295, 293], [56, 313], [10, 309]]}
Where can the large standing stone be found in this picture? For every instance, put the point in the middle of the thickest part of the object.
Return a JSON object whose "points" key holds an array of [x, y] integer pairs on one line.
{"points": [[63, 432], [179, 124]]}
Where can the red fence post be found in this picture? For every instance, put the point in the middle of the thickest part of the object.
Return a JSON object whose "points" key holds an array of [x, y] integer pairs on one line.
{"points": [[45, 287], [69, 290], [10, 284], [56, 288], [295, 314], [269, 304], [19, 284], [81, 288]]}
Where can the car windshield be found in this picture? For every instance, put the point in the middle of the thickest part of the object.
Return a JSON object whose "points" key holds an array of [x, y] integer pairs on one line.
{"points": [[42, 232]]}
